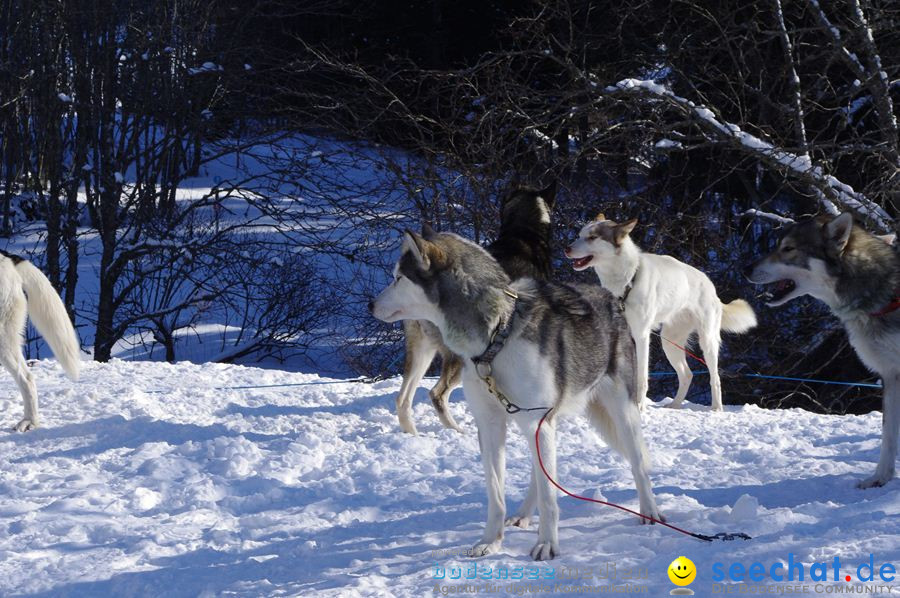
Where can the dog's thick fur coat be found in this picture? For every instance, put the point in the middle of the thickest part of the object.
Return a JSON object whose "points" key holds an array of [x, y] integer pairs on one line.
{"points": [[660, 291], [25, 291], [857, 275], [569, 348]]}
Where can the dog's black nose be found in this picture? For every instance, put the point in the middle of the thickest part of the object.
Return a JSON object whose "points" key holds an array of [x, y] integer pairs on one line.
{"points": [[371, 306]]}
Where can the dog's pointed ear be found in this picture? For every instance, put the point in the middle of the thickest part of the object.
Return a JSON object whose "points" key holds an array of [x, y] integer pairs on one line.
{"points": [[414, 244], [428, 232], [838, 231], [426, 253], [889, 239], [548, 194], [624, 229]]}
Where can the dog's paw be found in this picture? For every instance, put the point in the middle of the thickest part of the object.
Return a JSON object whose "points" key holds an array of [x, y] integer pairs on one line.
{"points": [[522, 521], [545, 551], [449, 422], [651, 513], [407, 425], [673, 405], [484, 549], [876, 481], [25, 425]]}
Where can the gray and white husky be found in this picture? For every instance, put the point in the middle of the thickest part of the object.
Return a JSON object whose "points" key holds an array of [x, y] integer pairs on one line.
{"points": [[567, 347], [25, 291], [658, 290], [523, 249], [858, 276]]}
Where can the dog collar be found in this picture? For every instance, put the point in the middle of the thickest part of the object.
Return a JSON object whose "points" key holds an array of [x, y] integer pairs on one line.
{"points": [[498, 339], [890, 307], [627, 290]]}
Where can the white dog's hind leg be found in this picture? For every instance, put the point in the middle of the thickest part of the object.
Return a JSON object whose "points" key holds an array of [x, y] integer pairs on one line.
{"points": [[522, 518], [678, 335], [547, 546], [11, 358], [890, 428], [709, 342]]}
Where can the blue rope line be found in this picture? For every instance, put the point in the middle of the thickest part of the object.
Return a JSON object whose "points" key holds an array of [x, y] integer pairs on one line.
{"points": [[788, 378], [159, 390], [836, 382], [652, 375]]}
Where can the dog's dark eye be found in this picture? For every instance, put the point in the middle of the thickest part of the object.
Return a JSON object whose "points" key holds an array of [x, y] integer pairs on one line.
{"points": [[787, 249]]}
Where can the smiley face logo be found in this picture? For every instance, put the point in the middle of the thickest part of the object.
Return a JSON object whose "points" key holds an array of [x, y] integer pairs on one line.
{"points": [[682, 571]]}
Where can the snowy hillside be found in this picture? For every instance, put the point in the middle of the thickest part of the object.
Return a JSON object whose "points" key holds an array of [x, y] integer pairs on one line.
{"points": [[149, 479]]}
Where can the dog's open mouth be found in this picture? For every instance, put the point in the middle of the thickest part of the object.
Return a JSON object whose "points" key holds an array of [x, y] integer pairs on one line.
{"points": [[580, 263], [779, 289]]}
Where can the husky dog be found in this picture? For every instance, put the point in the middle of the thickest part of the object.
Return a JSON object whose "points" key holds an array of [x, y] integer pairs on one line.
{"points": [[566, 347], [523, 249], [658, 290], [24, 290], [858, 276]]}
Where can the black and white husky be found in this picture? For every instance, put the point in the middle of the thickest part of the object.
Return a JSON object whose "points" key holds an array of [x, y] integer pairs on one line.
{"points": [[566, 347], [658, 290], [523, 250], [25, 291], [858, 276]]}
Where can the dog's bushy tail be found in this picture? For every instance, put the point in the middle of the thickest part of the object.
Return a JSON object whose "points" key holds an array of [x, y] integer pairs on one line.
{"points": [[49, 316], [737, 316]]}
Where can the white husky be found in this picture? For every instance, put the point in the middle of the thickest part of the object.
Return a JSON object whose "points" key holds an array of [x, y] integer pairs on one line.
{"points": [[24, 290], [658, 290]]}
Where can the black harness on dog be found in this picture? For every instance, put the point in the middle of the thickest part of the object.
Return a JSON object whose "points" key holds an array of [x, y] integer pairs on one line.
{"points": [[483, 363], [627, 291]]}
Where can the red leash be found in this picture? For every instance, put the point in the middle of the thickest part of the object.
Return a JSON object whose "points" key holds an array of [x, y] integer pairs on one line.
{"points": [[537, 440], [700, 359], [891, 307]]}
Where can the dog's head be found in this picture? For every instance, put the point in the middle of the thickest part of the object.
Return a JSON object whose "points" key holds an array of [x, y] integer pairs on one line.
{"points": [[598, 240], [413, 293], [805, 260], [442, 278], [527, 208]]}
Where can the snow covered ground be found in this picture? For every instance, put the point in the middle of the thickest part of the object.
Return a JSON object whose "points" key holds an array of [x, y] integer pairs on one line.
{"points": [[150, 479]]}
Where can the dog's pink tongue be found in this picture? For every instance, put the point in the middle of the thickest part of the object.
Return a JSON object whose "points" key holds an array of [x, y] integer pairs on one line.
{"points": [[580, 262]]}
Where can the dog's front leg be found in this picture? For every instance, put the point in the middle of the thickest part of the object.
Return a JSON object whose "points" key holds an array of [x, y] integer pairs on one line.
{"points": [[547, 546], [890, 428], [492, 440], [642, 354]]}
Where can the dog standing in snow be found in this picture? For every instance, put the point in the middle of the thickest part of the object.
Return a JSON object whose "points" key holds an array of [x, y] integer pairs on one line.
{"points": [[25, 291], [658, 290], [541, 345], [857, 275]]}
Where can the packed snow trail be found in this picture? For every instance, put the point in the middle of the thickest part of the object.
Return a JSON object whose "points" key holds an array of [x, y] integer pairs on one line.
{"points": [[312, 490]]}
